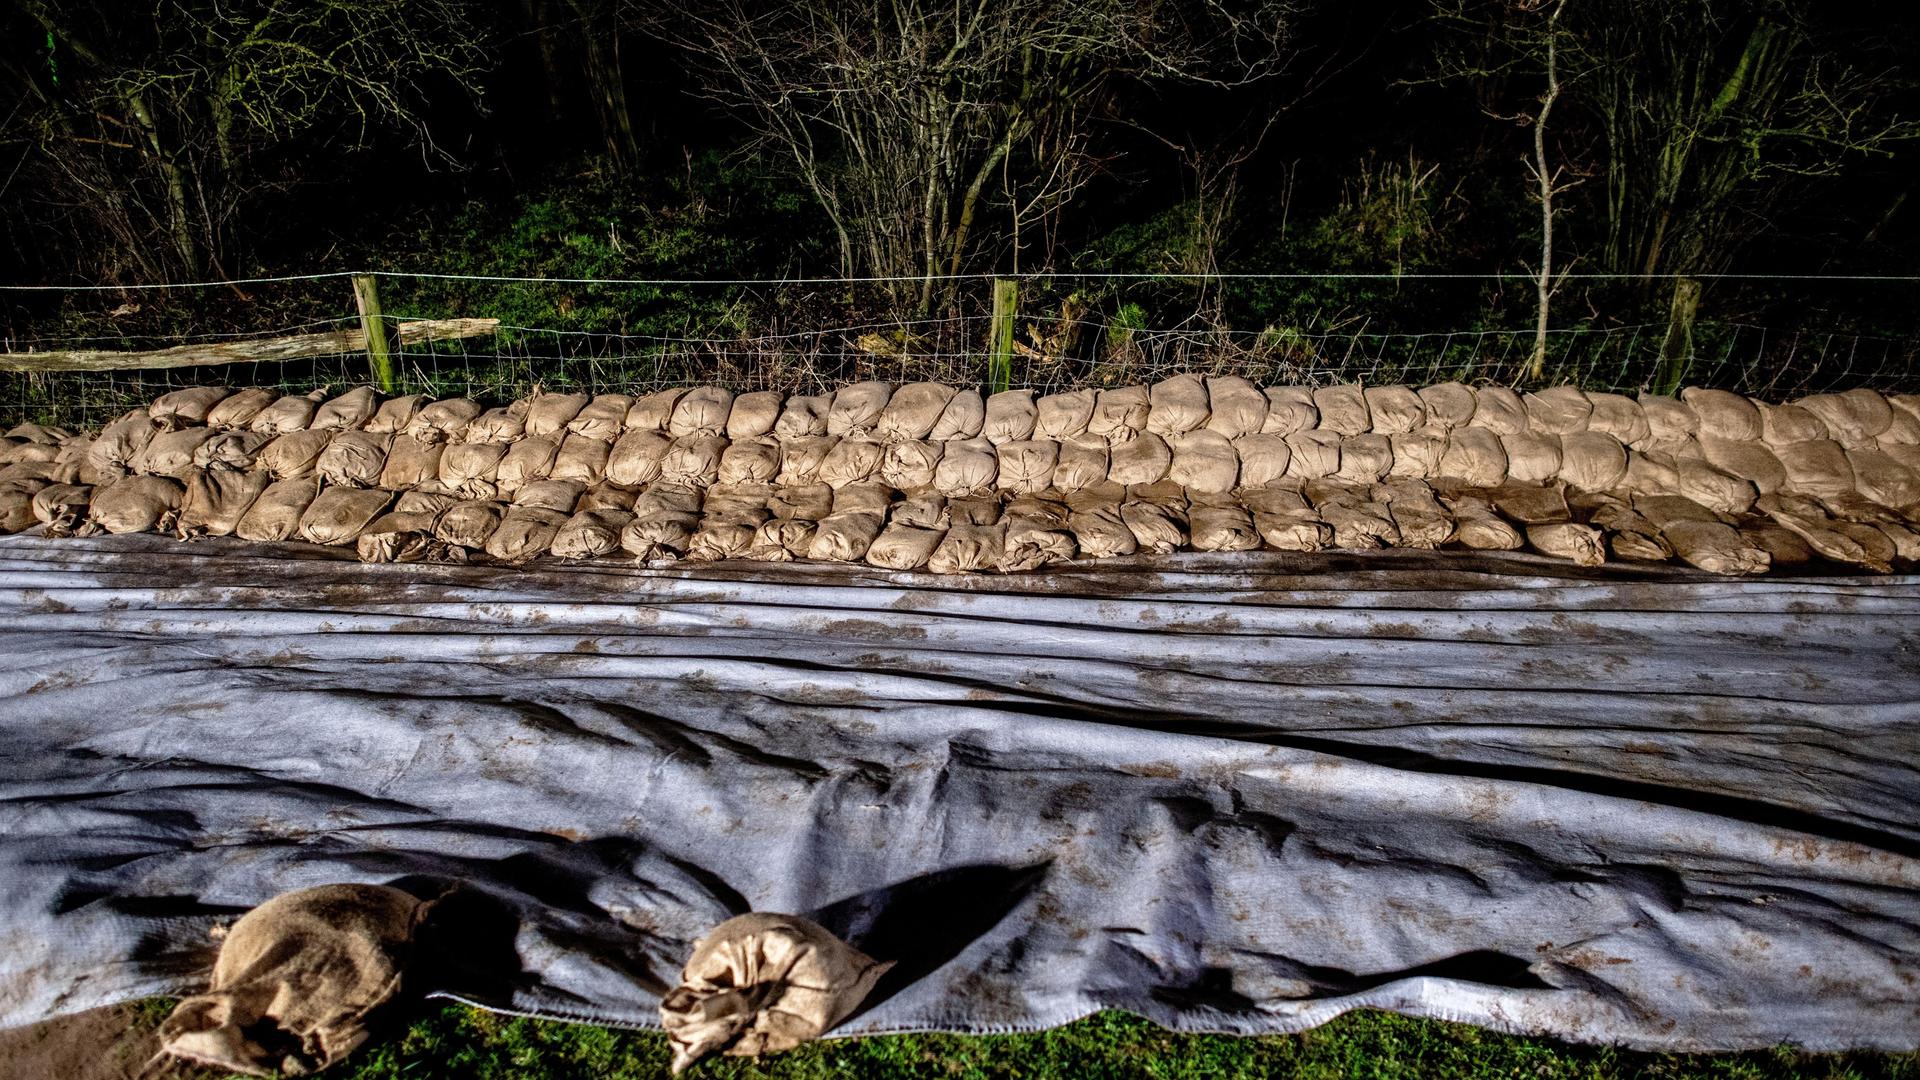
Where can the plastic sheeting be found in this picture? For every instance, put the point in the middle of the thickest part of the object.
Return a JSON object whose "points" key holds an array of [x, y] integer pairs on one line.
{"points": [[1231, 793]]}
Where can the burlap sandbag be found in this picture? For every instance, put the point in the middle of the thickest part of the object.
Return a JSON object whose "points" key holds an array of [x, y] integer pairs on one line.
{"points": [[701, 411], [1750, 461], [1157, 516], [1036, 534], [582, 459], [1027, 465], [1284, 520], [1531, 504], [782, 540], [120, 442], [590, 534], [1177, 405], [61, 507], [969, 549], [1449, 405], [353, 459], [410, 462], [18, 452], [1094, 518], [1235, 407], [1838, 541], [604, 418], [1881, 478], [1417, 454], [339, 514], [852, 461], [1592, 461], [134, 504], [231, 449], [1532, 458], [924, 508], [904, 547], [393, 415], [188, 407], [1619, 416], [299, 980], [693, 460], [966, 467], [1783, 546], [1816, 467], [1417, 515], [750, 461], [1699, 537], [424, 502], [1365, 459], [1061, 416], [1313, 454], [443, 421], [469, 524], [754, 415], [1143, 459], [1476, 526], [1558, 410], [238, 409], [857, 408], [1218, 523], [803, 416], [1342, 409], [1852, 418], [171, 453], [1360, 523], [526, 460], [654, 411], [1580, 544], [801, 502], [503, 425], [1083, 462], [216, 499], [1669, 421], [293, 455], [1203, 461], [963, 418], [912, 464], [348, 412], [1628, 533], [845, 536], [912, 411], [1475, 455], [394, 537], [1722, 414], [289, 413], [1290, 409], [1119, 413], [560, 496], [1898, 528], [636, 456], [525, 533], [730, 518], [1710, 487], [1263, 459], [665, 518], [16, 506], [470, 468], [801, 456], [1394, 410], [276, 514], [1783, 425], [1499, 410], [39, 433], [1010, 417], [549, 414], [1903, 431]]}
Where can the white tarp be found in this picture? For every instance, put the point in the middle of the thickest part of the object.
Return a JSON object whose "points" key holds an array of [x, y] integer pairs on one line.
{"points": [[1230, 793]]}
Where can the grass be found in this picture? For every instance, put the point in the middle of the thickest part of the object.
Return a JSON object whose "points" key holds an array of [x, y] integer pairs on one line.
{"points": [[454, 1041]]}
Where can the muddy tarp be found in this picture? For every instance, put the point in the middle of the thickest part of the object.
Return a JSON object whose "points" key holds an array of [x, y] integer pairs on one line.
{"points": [[1228, 792]]}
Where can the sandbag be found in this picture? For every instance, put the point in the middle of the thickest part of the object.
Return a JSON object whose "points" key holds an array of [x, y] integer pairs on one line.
{"points": [[851, 461], [299, 981], [171, 453], [1477, 527], [803, 417], [276, 514], [424, 502], [1880, 477], [525, 533], [1783, 546], [754, 415], [1903, 431], [1143, 459], [348, 412], [502, 425], [1723, 415], [16, 508], [1394, 410], [238, 409], [1783, 425], [394, 537], [1829, 538], [1177, 405], [469, 524], [729, 521], [590, 534], [1343, 409], [188, 407], [134, 504], [1119, 413], [1670, 421], [1475, 455], [1360, 523], [525, 461], [410, 462], [1417, 454], [1417, 515], [1284, 520], [963, 418], [701, 411], [801, 456], [1010, 417], [339, 514], [293, 455], [61, 507], [1449, 405], [1061, 416], [1558, 410], [1531, 504], [216, 499], [1714, 547], [1215, 524], [1852, 418], [1750, 461], [470, 469], [1313, 454], [665, 518], [39, 433], [1817, 467], [911, 464], [846, 536], [1592, 461], [1083, 462], [904, 547], [1235, 407], [1263, 459], [857, 407], [693, 460], [1533, 458], [966, 467], [1701, 482], [1094, 519], [353, 459], [1499, 410], [1619, 416], [582, 459], [393, 415], [750, 461], [1156, 514], [289, 413], [1582, 545], [1365, 459], [969, 549], [1027, 465], [1629, 535], [802, 502], [560, 496], [443, 421], [18, 453], [782, 540], [636, 456], [1203, 461], [1036, 534], [1290, 409], [925, 508], [549, 414], [230, 449], [602, 418], [609, 496]]}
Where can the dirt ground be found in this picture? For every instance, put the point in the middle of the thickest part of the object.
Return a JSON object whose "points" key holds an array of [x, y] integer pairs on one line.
{"points": [[104, 1044]]}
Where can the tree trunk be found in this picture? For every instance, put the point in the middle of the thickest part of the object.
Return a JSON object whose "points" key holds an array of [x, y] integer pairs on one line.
{"points": [[1537, 367], [1676, 352]]}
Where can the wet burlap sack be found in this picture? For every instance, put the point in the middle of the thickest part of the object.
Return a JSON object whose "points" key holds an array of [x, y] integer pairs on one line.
{"points": [[1578, 543], [801, 457], [526, 460], [754, 415], [171, 453], [1203, 461], [348, 412], [1531, 504], [1157, 516], [1219, 523], [423, 502], [1394, 410], [339, 514], [1263, 459], [1852, 418], [1499, 410], [964, 416], [1119, 414], [636, 456], [912, 464], [1722, 414], [1094, 518], [912, 411], [1532, 458], [1062, 416], [1027, 465], [1313, 454], [1417, 514], [393, 415], [762, 983], [470, 468], [1365, 459], [604, 417], [1783, 546], [1343, 409], [802, 417], [525, 533], [188, 407], [590, 534], [1283, 518], [701, 411], [1476, 456], [288, 413], [1235, 407], [134, 504], [276, 514], [410, 462], [1010, 417], [498, 425], [665, 518], [1290, 409], [353, 459], [693, 460], [966, 467], [443, 421], [548, 414], [558, 495], [1177, 405], [1143, 459], [298, 981], [857, 407], [1449, 405], [1558, 410], [216, 499], [653, 412], [1360, 523], [852, 461], [801, 502], [582, 459], [469, 524], [750, 461], [238, 409], [901, 546]]}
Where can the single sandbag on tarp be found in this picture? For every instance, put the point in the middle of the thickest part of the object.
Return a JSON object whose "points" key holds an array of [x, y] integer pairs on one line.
{"points": [[353, 459], [1119, 414], [1157, 516], [701, 411], [1592, 461], [1203, 461], [1094, 518], [636, 457], [912, 411], [859, 513], [1475, 455], [276, 514], [396, 537], [503, 425], [654, 411], [238, 409], [803, 416], [1061, 416], [443, 421], [470, 469], [61, 507], [1558, 410], [851, 461], [1722, 414], [913, 463], [1699, 537], [299, 981], [604, 417], [348, 412], [1027, 465], [1417, 515], [730, 518], [134, 504], [1290, 409], [1750, 461], [526, 460], [289, 413], [410, 462], [801, 457], [665, 518], [966, 467], [750, 461], [1010, 417], [754, 415], [1852, 418], [1394, 410], [1359, 522], [1342, 409], [548, 414], [1499, 410], [1037, 533], [1235, 407], [230, 449], [525, 533], [1448, 405], [1365, 459], [216, 499], [394, 414], [1580, 544], [1878, 476], [1533, 458], [1284, 520], [1263, 459], [589, 534], [188, 407], [339, 514], [857, 408], [1143, 459], [582, 459], [1619, 416], [964, 416], [469, 524], [693, 460], [1313, 454], [171, 453], [1817, 467], [1219, 523], [1177, 405]]}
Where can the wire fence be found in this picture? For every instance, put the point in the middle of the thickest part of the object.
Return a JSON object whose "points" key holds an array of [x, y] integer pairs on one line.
{"points": [[1051, 352]]}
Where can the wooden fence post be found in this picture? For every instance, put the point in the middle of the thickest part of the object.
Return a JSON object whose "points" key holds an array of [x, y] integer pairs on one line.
{"points": [[374, 325], [1006, 305]]}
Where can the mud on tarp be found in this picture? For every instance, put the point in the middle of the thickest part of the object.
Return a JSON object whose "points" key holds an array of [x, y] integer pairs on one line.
{"points": [[1233, 793]]}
